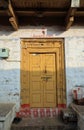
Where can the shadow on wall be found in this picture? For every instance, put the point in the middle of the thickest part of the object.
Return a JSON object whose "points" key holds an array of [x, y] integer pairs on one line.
{"points": [[44, 87], [74, 76], [41, 83], [40, 31], [54, 26], [9, 85]]}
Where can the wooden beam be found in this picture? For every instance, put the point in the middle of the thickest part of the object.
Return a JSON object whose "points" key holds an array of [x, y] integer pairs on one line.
{"points": [[13, 19], [70, 17], [11, 13], [13, 23], [10, 9], [49, 13], [71, 13], [70, 22]]}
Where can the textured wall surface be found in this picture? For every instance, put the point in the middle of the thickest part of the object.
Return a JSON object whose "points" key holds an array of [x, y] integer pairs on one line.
{"points": [[10, 68], [10, 72], [74, 59]]}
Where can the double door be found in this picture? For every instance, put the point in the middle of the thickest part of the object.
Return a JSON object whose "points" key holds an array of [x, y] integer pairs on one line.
{"points": [[42, 79], [42, 73]]}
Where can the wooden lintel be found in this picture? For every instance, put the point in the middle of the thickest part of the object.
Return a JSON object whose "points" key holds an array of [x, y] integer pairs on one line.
{"points": [[69, 23], [75, 3], [13, 23]]}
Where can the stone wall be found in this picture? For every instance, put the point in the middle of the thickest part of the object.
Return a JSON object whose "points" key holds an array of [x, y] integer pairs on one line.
{"points": [[10, 68]]}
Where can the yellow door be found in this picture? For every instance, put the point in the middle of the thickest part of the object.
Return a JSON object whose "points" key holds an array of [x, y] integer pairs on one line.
{"points": [[42, 80], [36, 88], [42, 72], [50, 81]]}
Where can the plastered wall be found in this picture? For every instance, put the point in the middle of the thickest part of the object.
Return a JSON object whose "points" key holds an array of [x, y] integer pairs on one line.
{"points": [[10, 72], [10, 68]]}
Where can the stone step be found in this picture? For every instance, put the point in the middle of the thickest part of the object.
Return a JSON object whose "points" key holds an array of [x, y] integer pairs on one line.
{"points": [[42, 124], [44, 128]]}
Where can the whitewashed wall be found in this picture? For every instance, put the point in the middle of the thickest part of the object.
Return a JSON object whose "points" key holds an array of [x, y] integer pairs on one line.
{"points": [[10, 72], [10, 68], [74, 59]]}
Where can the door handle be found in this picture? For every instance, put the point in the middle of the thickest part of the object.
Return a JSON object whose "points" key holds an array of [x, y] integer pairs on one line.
{"points": [[46, 78], [43, 77]]}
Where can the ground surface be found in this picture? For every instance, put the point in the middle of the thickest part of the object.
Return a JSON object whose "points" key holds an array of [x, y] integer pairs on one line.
{"points": [[43, 124]]}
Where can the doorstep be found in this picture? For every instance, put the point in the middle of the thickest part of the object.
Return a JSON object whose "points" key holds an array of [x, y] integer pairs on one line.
{"points": [[45, 123]]}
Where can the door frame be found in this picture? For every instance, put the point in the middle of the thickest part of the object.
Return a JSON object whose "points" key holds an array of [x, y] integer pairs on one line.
{"points": [[43, 40]]}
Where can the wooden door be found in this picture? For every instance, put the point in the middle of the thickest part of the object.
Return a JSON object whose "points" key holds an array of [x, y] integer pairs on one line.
{"points": [[50, 81], [42, 72], [42, 80], [36, 86]]}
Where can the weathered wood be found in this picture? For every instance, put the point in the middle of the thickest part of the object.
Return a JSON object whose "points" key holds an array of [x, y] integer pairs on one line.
{"points": [[70, 17], [11, 13], [70, 22], [11, 10], [56, 13], [13, 23], [46, 13], [75, 3], [13, 20], [71, 13]]}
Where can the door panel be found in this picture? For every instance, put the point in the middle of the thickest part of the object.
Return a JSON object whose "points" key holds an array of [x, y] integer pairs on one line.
{"points": [[42, 80], [50, 83], [36, 88]]}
